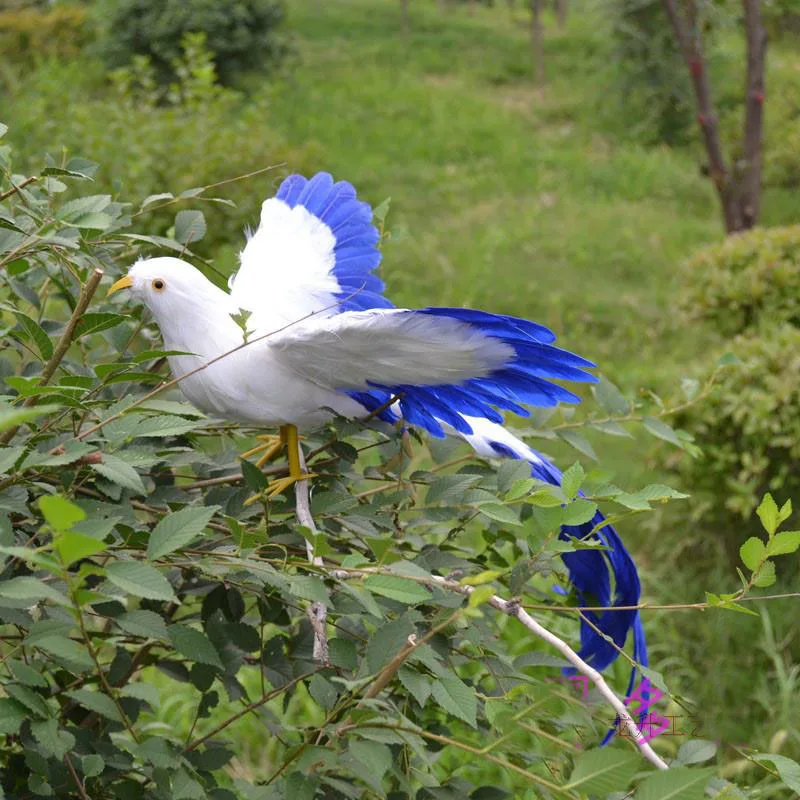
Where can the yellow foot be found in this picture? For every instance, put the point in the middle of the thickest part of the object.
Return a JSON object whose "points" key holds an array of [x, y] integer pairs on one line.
{"points": [[279, 486], [289, 438], [270, 446]]}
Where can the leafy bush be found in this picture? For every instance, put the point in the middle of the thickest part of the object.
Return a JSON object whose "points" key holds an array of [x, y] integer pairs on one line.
{"points": [[149, 137], [746, 280], [28, 35], [241, 34], [749, 429], [131, 565]]}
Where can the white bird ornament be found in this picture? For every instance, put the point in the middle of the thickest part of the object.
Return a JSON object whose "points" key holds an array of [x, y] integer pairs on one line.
{"points": [[323, 340]]}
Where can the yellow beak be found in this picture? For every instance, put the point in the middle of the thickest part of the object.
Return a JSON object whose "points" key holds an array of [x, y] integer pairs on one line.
{"points": [[122, 283]]}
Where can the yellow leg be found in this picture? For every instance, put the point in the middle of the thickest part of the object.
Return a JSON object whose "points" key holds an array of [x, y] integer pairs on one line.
{"points": [[289, 438], [270, 446]]}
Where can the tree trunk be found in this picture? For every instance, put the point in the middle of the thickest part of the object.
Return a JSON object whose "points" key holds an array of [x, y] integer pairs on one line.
{"points": [[562, 8], [750, 191], [406, 14], [537, 50], [738, 189]]}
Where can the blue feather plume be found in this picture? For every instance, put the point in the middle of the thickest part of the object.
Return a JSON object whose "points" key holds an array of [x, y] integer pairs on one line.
{"points": [[355, 252]]}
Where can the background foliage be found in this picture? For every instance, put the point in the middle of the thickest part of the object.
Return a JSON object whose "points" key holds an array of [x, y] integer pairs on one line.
{"points": [[544, 203]]}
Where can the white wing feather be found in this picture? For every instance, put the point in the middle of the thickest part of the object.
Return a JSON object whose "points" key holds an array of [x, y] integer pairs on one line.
{"points": [[387, 347], [285, 272]]}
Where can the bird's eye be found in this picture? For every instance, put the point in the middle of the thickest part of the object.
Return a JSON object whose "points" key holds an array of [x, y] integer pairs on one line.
{"points": [[159, 284]]}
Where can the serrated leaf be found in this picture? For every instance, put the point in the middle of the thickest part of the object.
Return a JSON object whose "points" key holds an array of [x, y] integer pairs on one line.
{"points": [[154, 198], [768, 514], [10, 418], [661, 430], [572, 480], [603, 771], [54, 741], [98, 702], [92, 765], [8, 457], [783, 543], [455, 697], [178, 529], [12, 715], [578, 512], [143, 623], [788, 769], [376, 758], [677, 783], [26, 674], [751, 553], [140, 580], [117, 471], [73, 546], [162, 426], [66, 652], [500, 513], [97, 321], [61, 514], [610, 398], [190, 226], [519, 489], [30, 589], [417, 685], [400, 589], [387, 641], [579, 442], [696, 751], [33, 701], [35, 333], [451, 488], [766, 575], [194, 644]]}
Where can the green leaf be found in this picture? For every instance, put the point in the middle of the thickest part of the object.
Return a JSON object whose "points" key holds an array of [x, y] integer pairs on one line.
{"points": [[12, 418], [162, 426], [66, 652], [28, 698], [783, 543], [12, 715], [766, 575], [92, 765], [178, 529], [35, 333], [8, 457], [572, 480], [578, 512], [140, 580], [54, 741], [376, 758], [194, 644], [677, 783], [96, 701], [610, 398], [661, 430], [97, 321], [143, 623], [603, 771], [751, 553], [387, 641], [455, 697], [27, 675], [768, 514], [400, 589], [73, 546], [500, 513], [60, 513], [117, 471], [190, 226], [33, 590], [696, 751], [788, 770], [579, 442]]}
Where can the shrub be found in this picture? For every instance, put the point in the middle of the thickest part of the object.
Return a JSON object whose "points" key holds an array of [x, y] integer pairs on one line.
{"points": [[29, 35], [148, 137], [746, 280], [134, 575], [748, 431], [241, 34]]}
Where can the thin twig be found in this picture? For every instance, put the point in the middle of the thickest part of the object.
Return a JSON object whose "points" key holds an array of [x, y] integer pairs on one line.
{"points": [[15, 188], [78, 782], [87, 292]]}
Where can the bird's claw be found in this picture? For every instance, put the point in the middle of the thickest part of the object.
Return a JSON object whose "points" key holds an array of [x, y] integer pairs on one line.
{"points": [[278, 486]]}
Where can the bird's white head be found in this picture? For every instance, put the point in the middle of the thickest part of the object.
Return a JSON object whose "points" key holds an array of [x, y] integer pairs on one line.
{"points": [[180, 297]]}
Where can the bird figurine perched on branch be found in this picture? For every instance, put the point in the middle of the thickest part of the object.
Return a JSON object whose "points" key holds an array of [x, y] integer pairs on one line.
{"points": [[322, 340]]}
